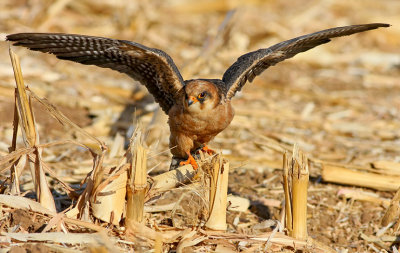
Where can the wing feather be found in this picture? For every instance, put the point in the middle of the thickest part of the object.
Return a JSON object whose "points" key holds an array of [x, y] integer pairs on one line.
{"points": [[252, 64], [152, 67]]}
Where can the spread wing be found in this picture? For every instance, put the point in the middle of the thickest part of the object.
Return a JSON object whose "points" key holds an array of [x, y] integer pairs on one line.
{"points": [[152, 67], [252, 64]]}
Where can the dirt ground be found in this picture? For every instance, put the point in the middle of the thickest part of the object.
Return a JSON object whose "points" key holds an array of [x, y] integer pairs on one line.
{"points": [[339, 102]]}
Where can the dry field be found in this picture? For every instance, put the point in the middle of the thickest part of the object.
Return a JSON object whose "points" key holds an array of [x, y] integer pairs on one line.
{"points": [[339, 102]]}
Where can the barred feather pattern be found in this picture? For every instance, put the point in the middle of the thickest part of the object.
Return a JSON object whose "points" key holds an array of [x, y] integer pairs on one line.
{"points": [[156, 70], [152, 67], [252, 64]]}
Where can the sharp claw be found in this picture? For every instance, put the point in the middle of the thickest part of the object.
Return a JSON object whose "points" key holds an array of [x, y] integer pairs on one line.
{"points": [[208, 150], [190, 161]]}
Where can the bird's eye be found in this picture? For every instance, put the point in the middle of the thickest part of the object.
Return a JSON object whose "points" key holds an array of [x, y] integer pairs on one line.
{"points": [[202, 95]]}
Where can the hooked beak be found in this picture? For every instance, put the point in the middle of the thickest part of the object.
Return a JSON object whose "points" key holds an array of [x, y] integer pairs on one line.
{"points": [[192, 100]]}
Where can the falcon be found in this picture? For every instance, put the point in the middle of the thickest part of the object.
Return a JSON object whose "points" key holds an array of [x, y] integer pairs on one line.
{"points": [[198, 109]]}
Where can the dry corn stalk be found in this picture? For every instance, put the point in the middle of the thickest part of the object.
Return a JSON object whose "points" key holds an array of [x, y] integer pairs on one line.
{"points": [[358, 194], [30, 137], [170, 180], [16, 171], [218, 190], [387, 167], [43, 192], [23, 104], [137, 180], [393, 211], [341, 175], [109, 202], [98, 150], [94, 181], [19, 164], [295, 183]]}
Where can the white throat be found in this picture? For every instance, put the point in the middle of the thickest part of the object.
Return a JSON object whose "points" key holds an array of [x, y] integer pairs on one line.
{"points": [[195, 108], [200, 108]]}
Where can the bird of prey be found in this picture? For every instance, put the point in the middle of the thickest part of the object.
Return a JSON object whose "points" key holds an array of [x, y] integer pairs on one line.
{"points": [[198, 109]]}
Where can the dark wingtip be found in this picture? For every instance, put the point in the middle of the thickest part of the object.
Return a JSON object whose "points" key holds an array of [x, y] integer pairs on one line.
{"points": [[377, 25], [16, 38], [383, 25], [12, 37]]}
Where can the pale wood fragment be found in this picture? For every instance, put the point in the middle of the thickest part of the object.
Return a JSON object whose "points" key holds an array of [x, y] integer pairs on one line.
{"points": [[218, 194]]}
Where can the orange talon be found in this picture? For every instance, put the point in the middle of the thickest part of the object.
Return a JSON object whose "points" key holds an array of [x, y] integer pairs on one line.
{"points": [[207, 150], [190, 161]]}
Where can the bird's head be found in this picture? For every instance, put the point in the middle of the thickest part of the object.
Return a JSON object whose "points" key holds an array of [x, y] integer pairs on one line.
{"points": [[200, 96]]}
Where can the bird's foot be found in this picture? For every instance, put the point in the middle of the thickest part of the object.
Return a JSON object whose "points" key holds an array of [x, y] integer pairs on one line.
{"points": [[190, 161], [208, 150]]}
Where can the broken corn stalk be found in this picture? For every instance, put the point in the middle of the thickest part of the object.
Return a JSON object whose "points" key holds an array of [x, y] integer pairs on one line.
{"points": [[295, 184], [218, 190]]}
